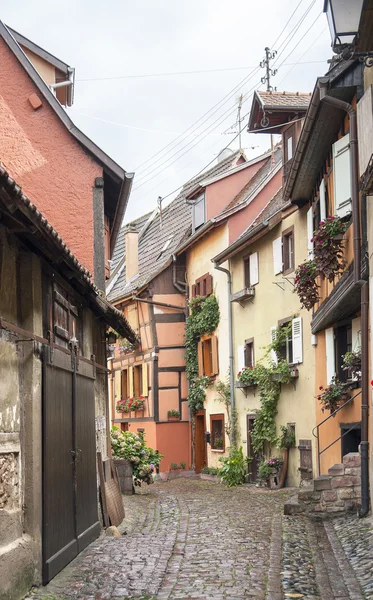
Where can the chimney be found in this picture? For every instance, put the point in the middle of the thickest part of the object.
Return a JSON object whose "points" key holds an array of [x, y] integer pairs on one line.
{"points": [[131, 238]]}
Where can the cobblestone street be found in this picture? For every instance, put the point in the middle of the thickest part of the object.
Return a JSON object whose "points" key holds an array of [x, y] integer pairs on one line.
{"points": [[197, 539]]}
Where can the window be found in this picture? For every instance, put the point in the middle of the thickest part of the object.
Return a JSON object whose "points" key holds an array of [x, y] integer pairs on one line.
{"points": [[288, 250], [251, 270], [199, 211], [67, 322], [208, 356], [137, 381], [342, 176], [292, 349], [202, 286], [124, 427], [217, 432], [124, 384], [289, 148], [343, 344], [289, 143], [277, 255], [249, 353]]}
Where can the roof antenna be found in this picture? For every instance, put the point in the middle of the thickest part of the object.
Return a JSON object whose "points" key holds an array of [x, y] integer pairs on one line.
{"points": [[267, 79], [159, 202]]}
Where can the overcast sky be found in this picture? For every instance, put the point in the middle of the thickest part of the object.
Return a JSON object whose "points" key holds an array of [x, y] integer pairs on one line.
{"points": [[134, 118]]}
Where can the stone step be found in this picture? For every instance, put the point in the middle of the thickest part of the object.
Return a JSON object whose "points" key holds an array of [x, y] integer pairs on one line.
{"points": [[336, 470], [323, 482], [293, 507]]}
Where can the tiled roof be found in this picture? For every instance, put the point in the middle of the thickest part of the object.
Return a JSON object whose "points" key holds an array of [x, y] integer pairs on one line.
{"points": [[284, 99], [271, 208], [176, 226], [256, 181]]}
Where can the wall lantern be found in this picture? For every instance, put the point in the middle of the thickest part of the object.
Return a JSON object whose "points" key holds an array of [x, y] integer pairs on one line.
{"points": [[344, 18]]}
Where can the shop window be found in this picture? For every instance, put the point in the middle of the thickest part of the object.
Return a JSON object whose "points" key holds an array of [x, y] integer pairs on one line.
{"points": [[137, 381], [217, 432], [208, 356], [288, 250]]}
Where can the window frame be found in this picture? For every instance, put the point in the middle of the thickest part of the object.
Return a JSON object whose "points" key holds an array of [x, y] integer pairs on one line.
{"points": [[288, 265], [199, 200], [137, 380], [284, 323], [213, 340], [249, 353], [289, 133], [217, 417], [342, 346], [124, 376]]}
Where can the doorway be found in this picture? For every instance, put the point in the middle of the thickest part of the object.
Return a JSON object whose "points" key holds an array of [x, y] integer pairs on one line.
{"points": [[200, 440], [352, 439], [253, 464]]}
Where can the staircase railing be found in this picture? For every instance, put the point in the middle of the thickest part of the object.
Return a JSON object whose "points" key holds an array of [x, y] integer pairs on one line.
{"points": [[317, 428]]}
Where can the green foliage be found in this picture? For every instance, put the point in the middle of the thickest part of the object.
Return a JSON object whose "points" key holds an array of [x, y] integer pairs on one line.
{"points": [[173, 413], [305, 284], [232, 471], [203, 319], [287, 437], [132, 447], [247, 376], [280, 337], [333, 395], [182, 465], [352, 364], [210, 471], [268, 467], [231, 427]]}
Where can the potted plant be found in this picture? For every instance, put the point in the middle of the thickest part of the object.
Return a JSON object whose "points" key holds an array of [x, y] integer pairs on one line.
{"points": [[269, 470], [173, 415], [122, 406], [333, 395], [246, 377], [281, 372], [328, 248], [352, 364], [137, 404], [218, 443], [305, 284]]}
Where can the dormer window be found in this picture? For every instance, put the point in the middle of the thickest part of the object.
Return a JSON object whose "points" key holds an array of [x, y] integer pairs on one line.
{"points": [[199, 212]]}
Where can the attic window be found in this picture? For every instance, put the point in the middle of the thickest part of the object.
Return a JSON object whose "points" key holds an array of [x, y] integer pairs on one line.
{"points": [[199, 212], [165, 247]]}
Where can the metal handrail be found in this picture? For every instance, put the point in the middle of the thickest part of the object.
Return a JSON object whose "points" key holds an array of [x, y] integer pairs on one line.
{"points": [[317, 427]]}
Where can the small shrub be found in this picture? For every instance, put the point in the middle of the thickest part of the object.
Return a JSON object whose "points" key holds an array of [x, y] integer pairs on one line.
{"points": [[232, 471], [210, 471]]}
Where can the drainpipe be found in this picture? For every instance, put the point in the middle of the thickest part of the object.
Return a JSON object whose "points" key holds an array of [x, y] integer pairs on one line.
{"points": [[181, 286], [230, 338], [364, 445]]}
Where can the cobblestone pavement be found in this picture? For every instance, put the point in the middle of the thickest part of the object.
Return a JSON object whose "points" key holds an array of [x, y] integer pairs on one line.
{"points": [[192, 539]]}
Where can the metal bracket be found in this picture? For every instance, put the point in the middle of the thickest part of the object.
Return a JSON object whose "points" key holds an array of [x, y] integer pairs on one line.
{"points": [[279, 284], [289, 280]]}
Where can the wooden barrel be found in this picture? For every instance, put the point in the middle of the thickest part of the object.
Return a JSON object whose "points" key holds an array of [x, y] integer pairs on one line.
{"points": [[125, 472]]}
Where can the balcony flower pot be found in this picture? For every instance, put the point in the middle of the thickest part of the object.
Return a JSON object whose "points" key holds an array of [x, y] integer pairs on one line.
{"points": [[173, 418]]}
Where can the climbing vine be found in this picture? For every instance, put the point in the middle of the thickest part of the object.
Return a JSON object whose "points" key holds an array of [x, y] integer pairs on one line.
{"points": [[203, 319]]}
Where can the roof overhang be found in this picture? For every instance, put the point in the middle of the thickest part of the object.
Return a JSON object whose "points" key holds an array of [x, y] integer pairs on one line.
{"points": [[22, 217], [276, 116], [320, 129]]}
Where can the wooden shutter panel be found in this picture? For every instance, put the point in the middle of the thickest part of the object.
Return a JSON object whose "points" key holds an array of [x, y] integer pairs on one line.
{"points": [[208, 284], [200, 359], [240, 357], [322, 200], [342, 176], [273, 337], [277, 255], [297, 335], [254, 269], [330, 354], [193, 290], [117, 385], [310, 232], [215, 356], [145, 389], [130, 381]]}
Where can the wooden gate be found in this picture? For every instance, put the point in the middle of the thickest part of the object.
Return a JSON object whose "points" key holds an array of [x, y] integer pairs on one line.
{"points": [[70, 519]]}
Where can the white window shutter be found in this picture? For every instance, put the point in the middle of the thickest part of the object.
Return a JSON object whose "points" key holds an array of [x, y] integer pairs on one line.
{"points": [[254, 269], [330, 354], [322, 200], [342, 176], [277, 255], [356, 334], [297, 335], [310, 232], [273, 337], [240, 357]]}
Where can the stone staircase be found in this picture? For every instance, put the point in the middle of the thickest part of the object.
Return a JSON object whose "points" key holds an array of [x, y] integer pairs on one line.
{"points": [[337, 492]]}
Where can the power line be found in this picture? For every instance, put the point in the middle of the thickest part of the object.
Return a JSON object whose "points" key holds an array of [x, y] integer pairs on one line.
{"points": [[287, 23], [301, 39], [294, 31], [304, 53]]}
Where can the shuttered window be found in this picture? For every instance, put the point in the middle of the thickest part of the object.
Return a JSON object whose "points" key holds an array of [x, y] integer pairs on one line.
{"points": [[322, 200], [297, 338], [217, 432], [124, 384], [277, 255], [292, 351], [203, 286], [254, 268], [67, 324], [310, 232], [342, 176], [249, 353], [330, 354], [208, 360], [288, 250]]}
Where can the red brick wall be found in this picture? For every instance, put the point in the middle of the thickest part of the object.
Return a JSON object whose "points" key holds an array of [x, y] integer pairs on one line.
{"points": [[52, 168]]}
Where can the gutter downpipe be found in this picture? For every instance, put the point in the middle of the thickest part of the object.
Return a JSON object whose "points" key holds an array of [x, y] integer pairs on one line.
{"points": [[364, 445], [230, 336], [179, 285]]}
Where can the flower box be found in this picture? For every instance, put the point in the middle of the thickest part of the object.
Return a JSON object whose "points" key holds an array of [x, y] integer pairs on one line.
{"points": [[294, 372], [173, 418], [276, 377]]}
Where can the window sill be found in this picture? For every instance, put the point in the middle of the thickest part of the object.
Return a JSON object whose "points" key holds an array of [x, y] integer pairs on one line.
{"points": [[221, 450]]}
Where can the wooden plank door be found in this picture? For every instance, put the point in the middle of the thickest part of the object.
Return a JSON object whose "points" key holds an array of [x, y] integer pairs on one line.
{"points": [[60, 545], [87, 523], [253, 465], [200, 441]]}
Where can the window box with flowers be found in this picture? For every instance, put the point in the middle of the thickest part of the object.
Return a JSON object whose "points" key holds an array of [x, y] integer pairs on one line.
{"points": [[173, 415], [130, 405], [333, 395], [246, 377]]}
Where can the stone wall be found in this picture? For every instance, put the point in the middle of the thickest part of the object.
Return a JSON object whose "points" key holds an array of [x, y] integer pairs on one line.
{"points": [[337, 492]]}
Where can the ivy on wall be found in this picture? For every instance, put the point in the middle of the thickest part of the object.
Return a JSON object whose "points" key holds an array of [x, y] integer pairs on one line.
{"points": [[203, 320]]}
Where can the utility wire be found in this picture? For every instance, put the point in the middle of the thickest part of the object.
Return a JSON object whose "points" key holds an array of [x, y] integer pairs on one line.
{"points": [[293, 32], [304, 53], [287, 23], [301, 40]]}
